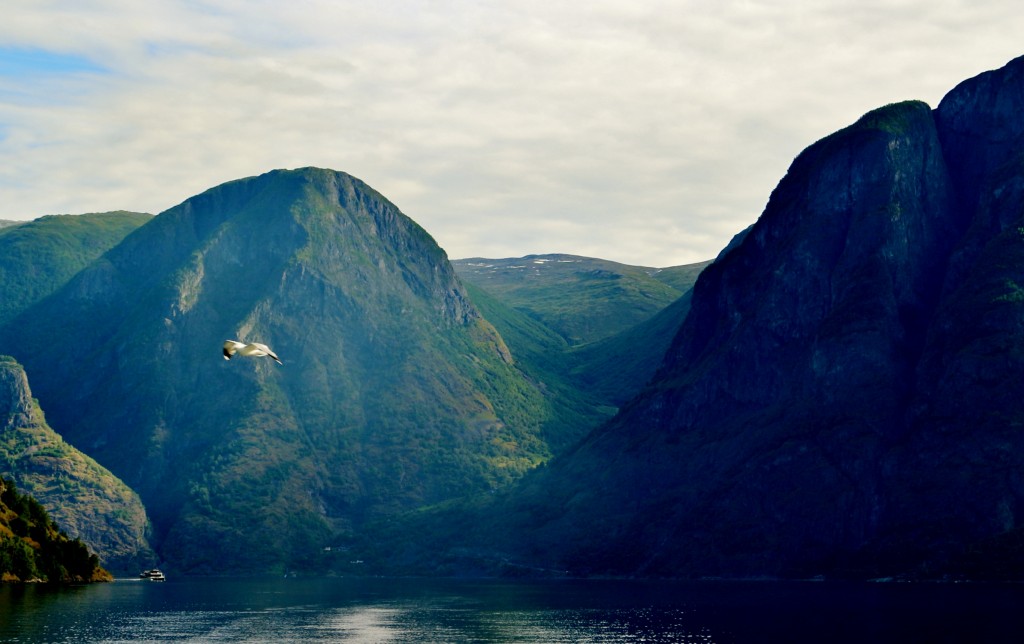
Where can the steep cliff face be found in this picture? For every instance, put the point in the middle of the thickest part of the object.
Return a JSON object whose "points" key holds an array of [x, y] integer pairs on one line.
{"points": [[394, 392], [83, 498], [841, 397], [959, 474]]}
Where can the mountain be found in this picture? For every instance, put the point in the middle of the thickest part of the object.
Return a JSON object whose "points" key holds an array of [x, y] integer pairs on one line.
{"points": [[85, 499], [395, 393], [552, 307], [546, 359], [841, 399], [617, 367], [39, 256], [581, 298], [33, 548], [682, 278]]}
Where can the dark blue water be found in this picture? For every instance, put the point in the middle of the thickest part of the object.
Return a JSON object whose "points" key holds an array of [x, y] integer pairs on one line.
{"points": [[413, 610]]}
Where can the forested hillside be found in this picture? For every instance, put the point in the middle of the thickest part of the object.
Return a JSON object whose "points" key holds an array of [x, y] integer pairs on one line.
{"points": [[33, 548]]}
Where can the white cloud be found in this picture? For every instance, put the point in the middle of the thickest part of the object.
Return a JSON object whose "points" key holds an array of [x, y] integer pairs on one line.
{"points": [[642, 131]]}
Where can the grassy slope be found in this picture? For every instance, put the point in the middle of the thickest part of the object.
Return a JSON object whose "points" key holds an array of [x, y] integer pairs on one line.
{"points": [[682, 278]]}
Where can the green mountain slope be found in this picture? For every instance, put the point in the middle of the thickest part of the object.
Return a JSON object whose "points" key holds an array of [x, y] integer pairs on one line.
{"points": [[87, 501], [395, 392], [39, 256], [546, 359], [682, 278], [616, 369], [581, 298], [533, 301]]}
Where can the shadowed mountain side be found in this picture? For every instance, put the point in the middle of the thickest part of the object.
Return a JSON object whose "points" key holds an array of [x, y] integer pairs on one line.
{"points": [[394, 391], [758, 445], [617, 368], [841, 398]]}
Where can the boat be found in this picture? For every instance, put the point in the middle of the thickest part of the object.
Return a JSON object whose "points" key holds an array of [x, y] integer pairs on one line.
{"points": [[152, 575]]}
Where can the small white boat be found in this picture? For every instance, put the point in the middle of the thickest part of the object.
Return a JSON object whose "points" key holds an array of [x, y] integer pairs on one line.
{"points": [[153, 575]]}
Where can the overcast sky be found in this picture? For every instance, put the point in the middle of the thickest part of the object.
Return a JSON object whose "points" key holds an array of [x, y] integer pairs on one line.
{"points": [[642, 131]]}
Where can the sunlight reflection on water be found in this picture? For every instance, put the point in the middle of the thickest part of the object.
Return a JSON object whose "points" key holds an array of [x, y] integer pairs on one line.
{"points": [[403, 611], [370, 624], [385, 624]]}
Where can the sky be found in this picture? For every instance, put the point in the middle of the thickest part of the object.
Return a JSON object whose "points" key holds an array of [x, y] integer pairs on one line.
{"points": [[646, 132]]}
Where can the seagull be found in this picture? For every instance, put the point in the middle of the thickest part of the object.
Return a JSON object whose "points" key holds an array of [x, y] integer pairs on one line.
{"points": [[251, 350]]}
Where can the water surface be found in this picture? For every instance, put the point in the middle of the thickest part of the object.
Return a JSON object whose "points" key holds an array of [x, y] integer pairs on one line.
{"points": [[417, 610]]}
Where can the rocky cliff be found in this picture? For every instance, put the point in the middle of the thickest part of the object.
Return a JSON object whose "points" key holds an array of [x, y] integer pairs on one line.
{"points": [[841, 398], [83, 498]]}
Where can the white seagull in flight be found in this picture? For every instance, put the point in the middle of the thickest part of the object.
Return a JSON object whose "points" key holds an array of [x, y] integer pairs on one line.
{"points": [[251, 350]]}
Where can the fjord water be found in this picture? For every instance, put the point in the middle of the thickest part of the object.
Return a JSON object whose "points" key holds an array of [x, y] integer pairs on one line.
{"points": [[417, 610]]}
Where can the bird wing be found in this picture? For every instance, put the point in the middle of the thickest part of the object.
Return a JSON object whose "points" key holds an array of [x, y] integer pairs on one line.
{"points": [[264, 350]]}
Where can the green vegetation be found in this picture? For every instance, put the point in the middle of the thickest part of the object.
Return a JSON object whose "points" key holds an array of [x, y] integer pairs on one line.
{"points": [[895, 119], [616, 368], [580, 298], [682, 278], [33, 548], [533, 300], [38, 257], [1014, 293]]}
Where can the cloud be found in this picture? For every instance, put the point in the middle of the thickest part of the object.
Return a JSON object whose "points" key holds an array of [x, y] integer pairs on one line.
{"points": [[646, 132]]}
